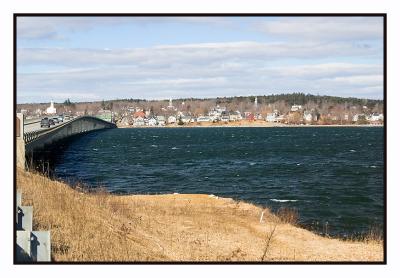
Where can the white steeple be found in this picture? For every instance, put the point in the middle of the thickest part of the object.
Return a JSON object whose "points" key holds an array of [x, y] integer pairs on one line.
{"points": [[51, 110]]}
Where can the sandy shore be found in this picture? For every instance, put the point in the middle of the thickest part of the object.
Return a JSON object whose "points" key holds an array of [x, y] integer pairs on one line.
{"points": [[174, 227]]}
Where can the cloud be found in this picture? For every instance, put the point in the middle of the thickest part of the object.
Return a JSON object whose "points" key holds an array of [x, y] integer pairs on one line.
{"points": [[210, 80], [299, 54], [191, 53], [325, 28], [55, 28], [325, 70]]}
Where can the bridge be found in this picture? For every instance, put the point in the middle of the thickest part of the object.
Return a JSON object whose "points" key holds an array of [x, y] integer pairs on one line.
{"points": [[30, 137]]}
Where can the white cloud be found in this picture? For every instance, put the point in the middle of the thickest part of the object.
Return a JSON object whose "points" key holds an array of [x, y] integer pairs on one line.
{"points": [[210, 79], [325, 28], [190, 53], [55, 28]]}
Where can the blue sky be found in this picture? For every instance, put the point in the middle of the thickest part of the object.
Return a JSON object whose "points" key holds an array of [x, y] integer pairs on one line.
{"points": [[95, 58]]}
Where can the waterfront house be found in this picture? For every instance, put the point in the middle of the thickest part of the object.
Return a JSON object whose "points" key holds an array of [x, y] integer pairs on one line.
{"points": [[186, 119], [139, 121], [249, 116], [359, 117], [171, 119], [203, 119], [271, 117], [281, 119], [225, 118], [152, 121], [161, 120], [233, 117], [139, 114], [375, 117], [239, 115], [307, 116]]}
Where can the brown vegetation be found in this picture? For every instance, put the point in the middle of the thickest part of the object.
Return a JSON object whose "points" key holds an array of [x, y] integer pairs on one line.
{"points": [[175, 227]]}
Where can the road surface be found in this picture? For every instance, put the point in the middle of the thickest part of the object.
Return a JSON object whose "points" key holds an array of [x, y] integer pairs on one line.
{"points": [[36, 126]]}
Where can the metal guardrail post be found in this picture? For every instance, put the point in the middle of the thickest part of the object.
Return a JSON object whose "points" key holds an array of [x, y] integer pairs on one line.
{"points": [[40, 246], [24, 218], [32, 246]]}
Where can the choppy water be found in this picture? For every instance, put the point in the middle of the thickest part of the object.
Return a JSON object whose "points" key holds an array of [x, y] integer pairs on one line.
{"points": [[330, 174]]}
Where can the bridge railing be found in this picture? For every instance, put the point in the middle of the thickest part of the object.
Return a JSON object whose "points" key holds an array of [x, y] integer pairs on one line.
{"points": [[33, 135]]}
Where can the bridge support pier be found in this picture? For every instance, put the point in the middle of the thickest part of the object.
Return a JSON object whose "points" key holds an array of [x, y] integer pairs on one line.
{"points": [[20, 143]]}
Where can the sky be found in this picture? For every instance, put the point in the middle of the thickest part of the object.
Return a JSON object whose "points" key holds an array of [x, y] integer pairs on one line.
{"points": [[96, 58]]}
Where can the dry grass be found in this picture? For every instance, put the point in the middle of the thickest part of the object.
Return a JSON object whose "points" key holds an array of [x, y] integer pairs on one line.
{"points": [[104, 227], [288, 215]]}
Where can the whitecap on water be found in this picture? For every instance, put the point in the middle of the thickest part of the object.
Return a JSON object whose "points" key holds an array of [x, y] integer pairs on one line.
{"points": [[353, 151], [282, 201], [95, 149], [155, 136], [174, 148], [373, 166], [154, 146], [298, 164], [252, 163]]}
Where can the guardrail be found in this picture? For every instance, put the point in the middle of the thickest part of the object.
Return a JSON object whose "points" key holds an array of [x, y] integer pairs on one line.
{"points": [[32, 246], [31, 121], [33, 135]]}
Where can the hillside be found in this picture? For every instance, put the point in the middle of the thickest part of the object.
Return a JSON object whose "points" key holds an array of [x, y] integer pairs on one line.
{"points": [[103, 227]]}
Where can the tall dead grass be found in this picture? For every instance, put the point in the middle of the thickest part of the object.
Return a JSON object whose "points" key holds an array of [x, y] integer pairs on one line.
{"points": [[98, 226]]}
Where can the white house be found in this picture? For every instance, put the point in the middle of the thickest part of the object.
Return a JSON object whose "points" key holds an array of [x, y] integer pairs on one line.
{"points": [[51, 109], [152, 122], [225, 118], [171, 119], [357, 117], [204, 119], [239, 115], [139, 121], [376, 117], [161, 120], [271, 117], [296, 108], [186, 119], [281, 118], [233, 117], [307, 116]]}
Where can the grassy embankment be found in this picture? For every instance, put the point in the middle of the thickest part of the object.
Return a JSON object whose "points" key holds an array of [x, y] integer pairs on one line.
{"points": [[177, 227]]}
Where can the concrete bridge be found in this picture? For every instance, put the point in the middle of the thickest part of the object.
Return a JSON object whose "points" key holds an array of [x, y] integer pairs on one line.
{"points": [[38, 138]]}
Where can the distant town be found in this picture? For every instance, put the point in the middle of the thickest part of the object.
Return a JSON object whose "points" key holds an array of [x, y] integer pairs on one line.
{"points": [[282, 109]]}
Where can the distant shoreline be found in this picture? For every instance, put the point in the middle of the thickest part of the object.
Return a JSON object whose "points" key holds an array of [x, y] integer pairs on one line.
{"points": [[255, 124]]}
